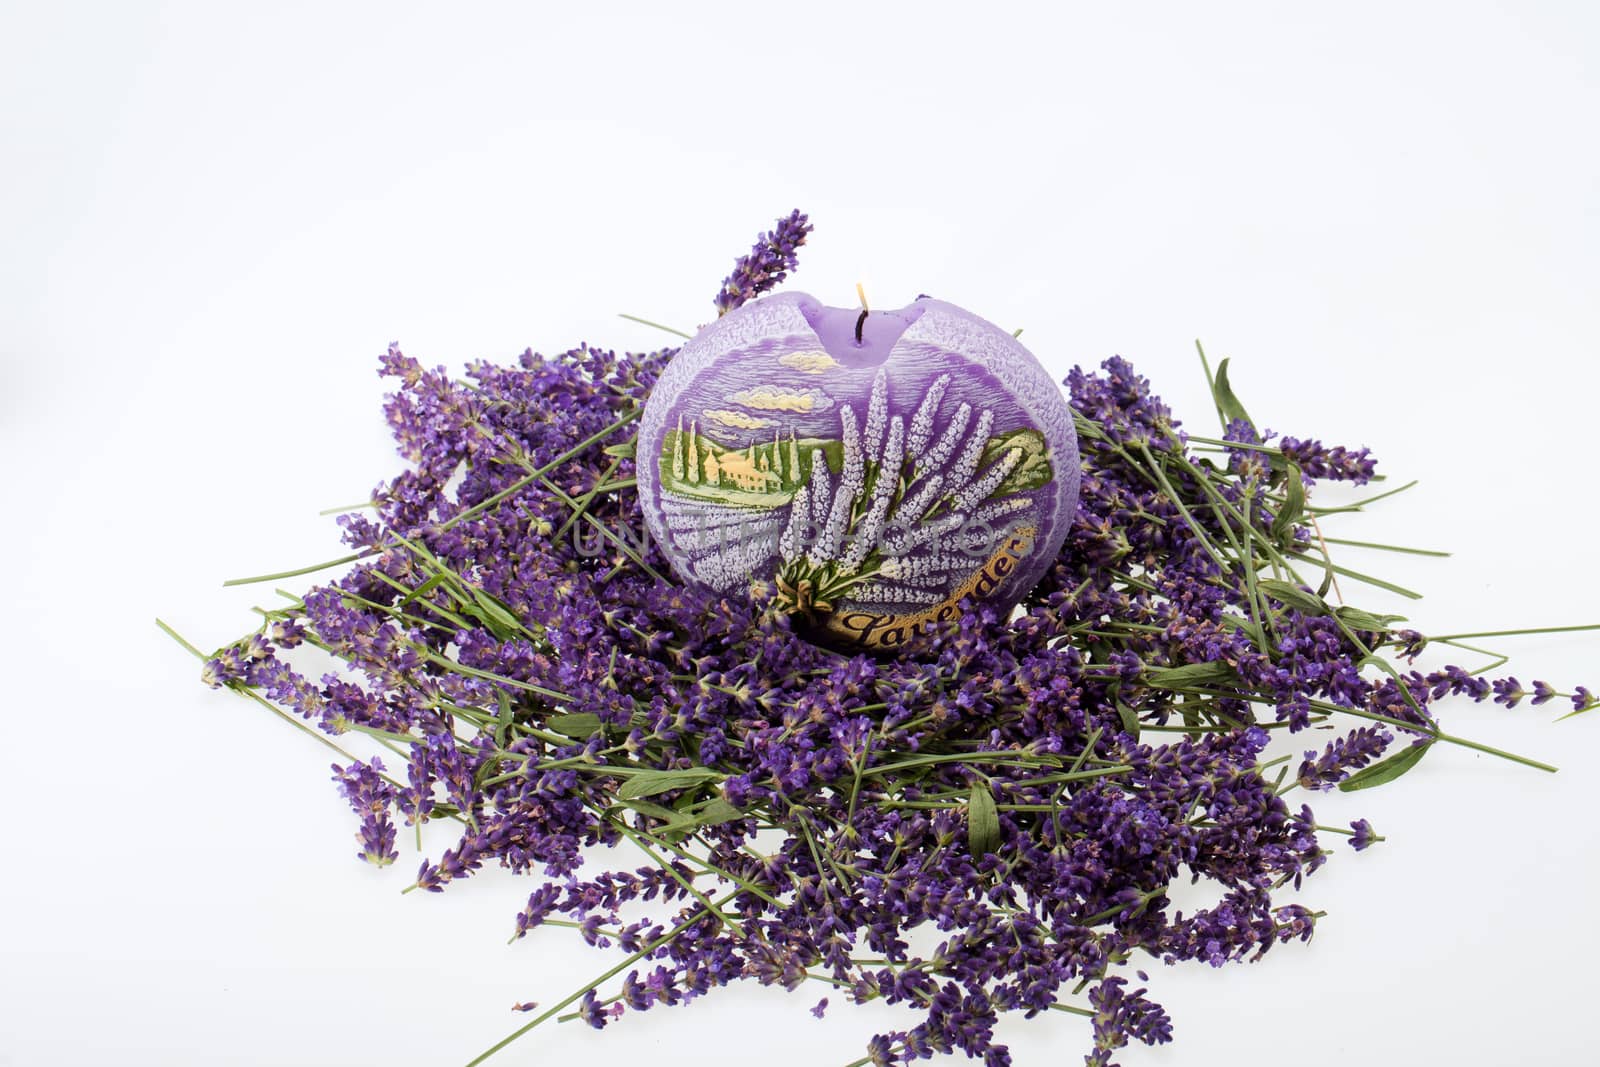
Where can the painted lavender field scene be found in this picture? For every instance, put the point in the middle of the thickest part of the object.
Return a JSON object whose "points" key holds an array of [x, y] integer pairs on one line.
{"points": [[875, 489]]}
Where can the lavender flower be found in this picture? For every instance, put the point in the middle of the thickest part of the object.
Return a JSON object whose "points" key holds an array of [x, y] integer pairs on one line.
{"points": [[1333, 464], [922, 422], [967, 462], [968, 498], [766, 265], [1121, 1015], [877, 415], [945, 447], [370, 797], [1508, 691], [867, 536], [1343, 757]]}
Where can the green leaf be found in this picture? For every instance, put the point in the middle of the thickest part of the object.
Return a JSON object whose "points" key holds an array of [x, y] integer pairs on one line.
{"points": [[1293, 510], [580, 725], [1386, 770], [1293, 596], [1129, 719], [1246, 627], [983, 821], [1375, 660], [503, 721], [681, 823], [495, 615], [651, 783], [625, 450], [1088, 428], [655, 811], [1190, 674], [421, 591], [1227, 403], [716, 811], [1357, 619], [1327, 581]]}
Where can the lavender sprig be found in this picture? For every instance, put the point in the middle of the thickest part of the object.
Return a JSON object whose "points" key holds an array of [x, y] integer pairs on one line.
{"points": [[766, 265]]}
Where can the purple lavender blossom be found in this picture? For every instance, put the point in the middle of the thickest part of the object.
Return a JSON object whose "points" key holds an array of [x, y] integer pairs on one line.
{"points": [[1409, 643], [766, 265], [1343, 757], [1508, 691], [1337, 464], [370, 797], [1364, 837], [1120, 1016]]}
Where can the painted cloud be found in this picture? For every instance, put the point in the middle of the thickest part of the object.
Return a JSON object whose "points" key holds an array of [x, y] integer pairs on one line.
{"points": [[812, 362], [736, 420], [778, 398]]}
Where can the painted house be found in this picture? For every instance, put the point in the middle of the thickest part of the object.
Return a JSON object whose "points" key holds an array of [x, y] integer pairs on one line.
{"points": [[744, 472]]}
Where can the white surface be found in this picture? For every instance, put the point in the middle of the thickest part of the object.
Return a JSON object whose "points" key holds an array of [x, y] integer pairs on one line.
{"points": [[214, 221]]}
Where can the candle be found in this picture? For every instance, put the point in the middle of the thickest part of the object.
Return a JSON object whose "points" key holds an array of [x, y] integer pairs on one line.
{"points": [[875, 467]]}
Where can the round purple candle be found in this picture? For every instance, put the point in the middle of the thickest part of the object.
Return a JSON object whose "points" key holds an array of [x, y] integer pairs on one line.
{"points": [[877, 468]]}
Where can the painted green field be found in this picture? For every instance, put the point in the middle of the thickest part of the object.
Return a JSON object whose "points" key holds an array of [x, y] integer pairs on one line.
{"points": [[686, 473]]}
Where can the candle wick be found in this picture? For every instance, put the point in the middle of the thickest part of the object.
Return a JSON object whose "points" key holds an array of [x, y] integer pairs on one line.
{"points": [[860, 322]]}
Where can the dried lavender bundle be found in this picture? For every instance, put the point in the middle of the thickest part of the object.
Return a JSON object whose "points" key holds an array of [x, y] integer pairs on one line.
{"points": [[1029, 787]]}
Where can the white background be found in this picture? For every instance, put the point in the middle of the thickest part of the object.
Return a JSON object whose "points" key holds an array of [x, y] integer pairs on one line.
{"points": [[216, 217]]}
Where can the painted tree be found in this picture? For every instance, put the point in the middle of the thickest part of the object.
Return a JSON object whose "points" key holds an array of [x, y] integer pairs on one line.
{"points": [[677, 451], [694, 455]]}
